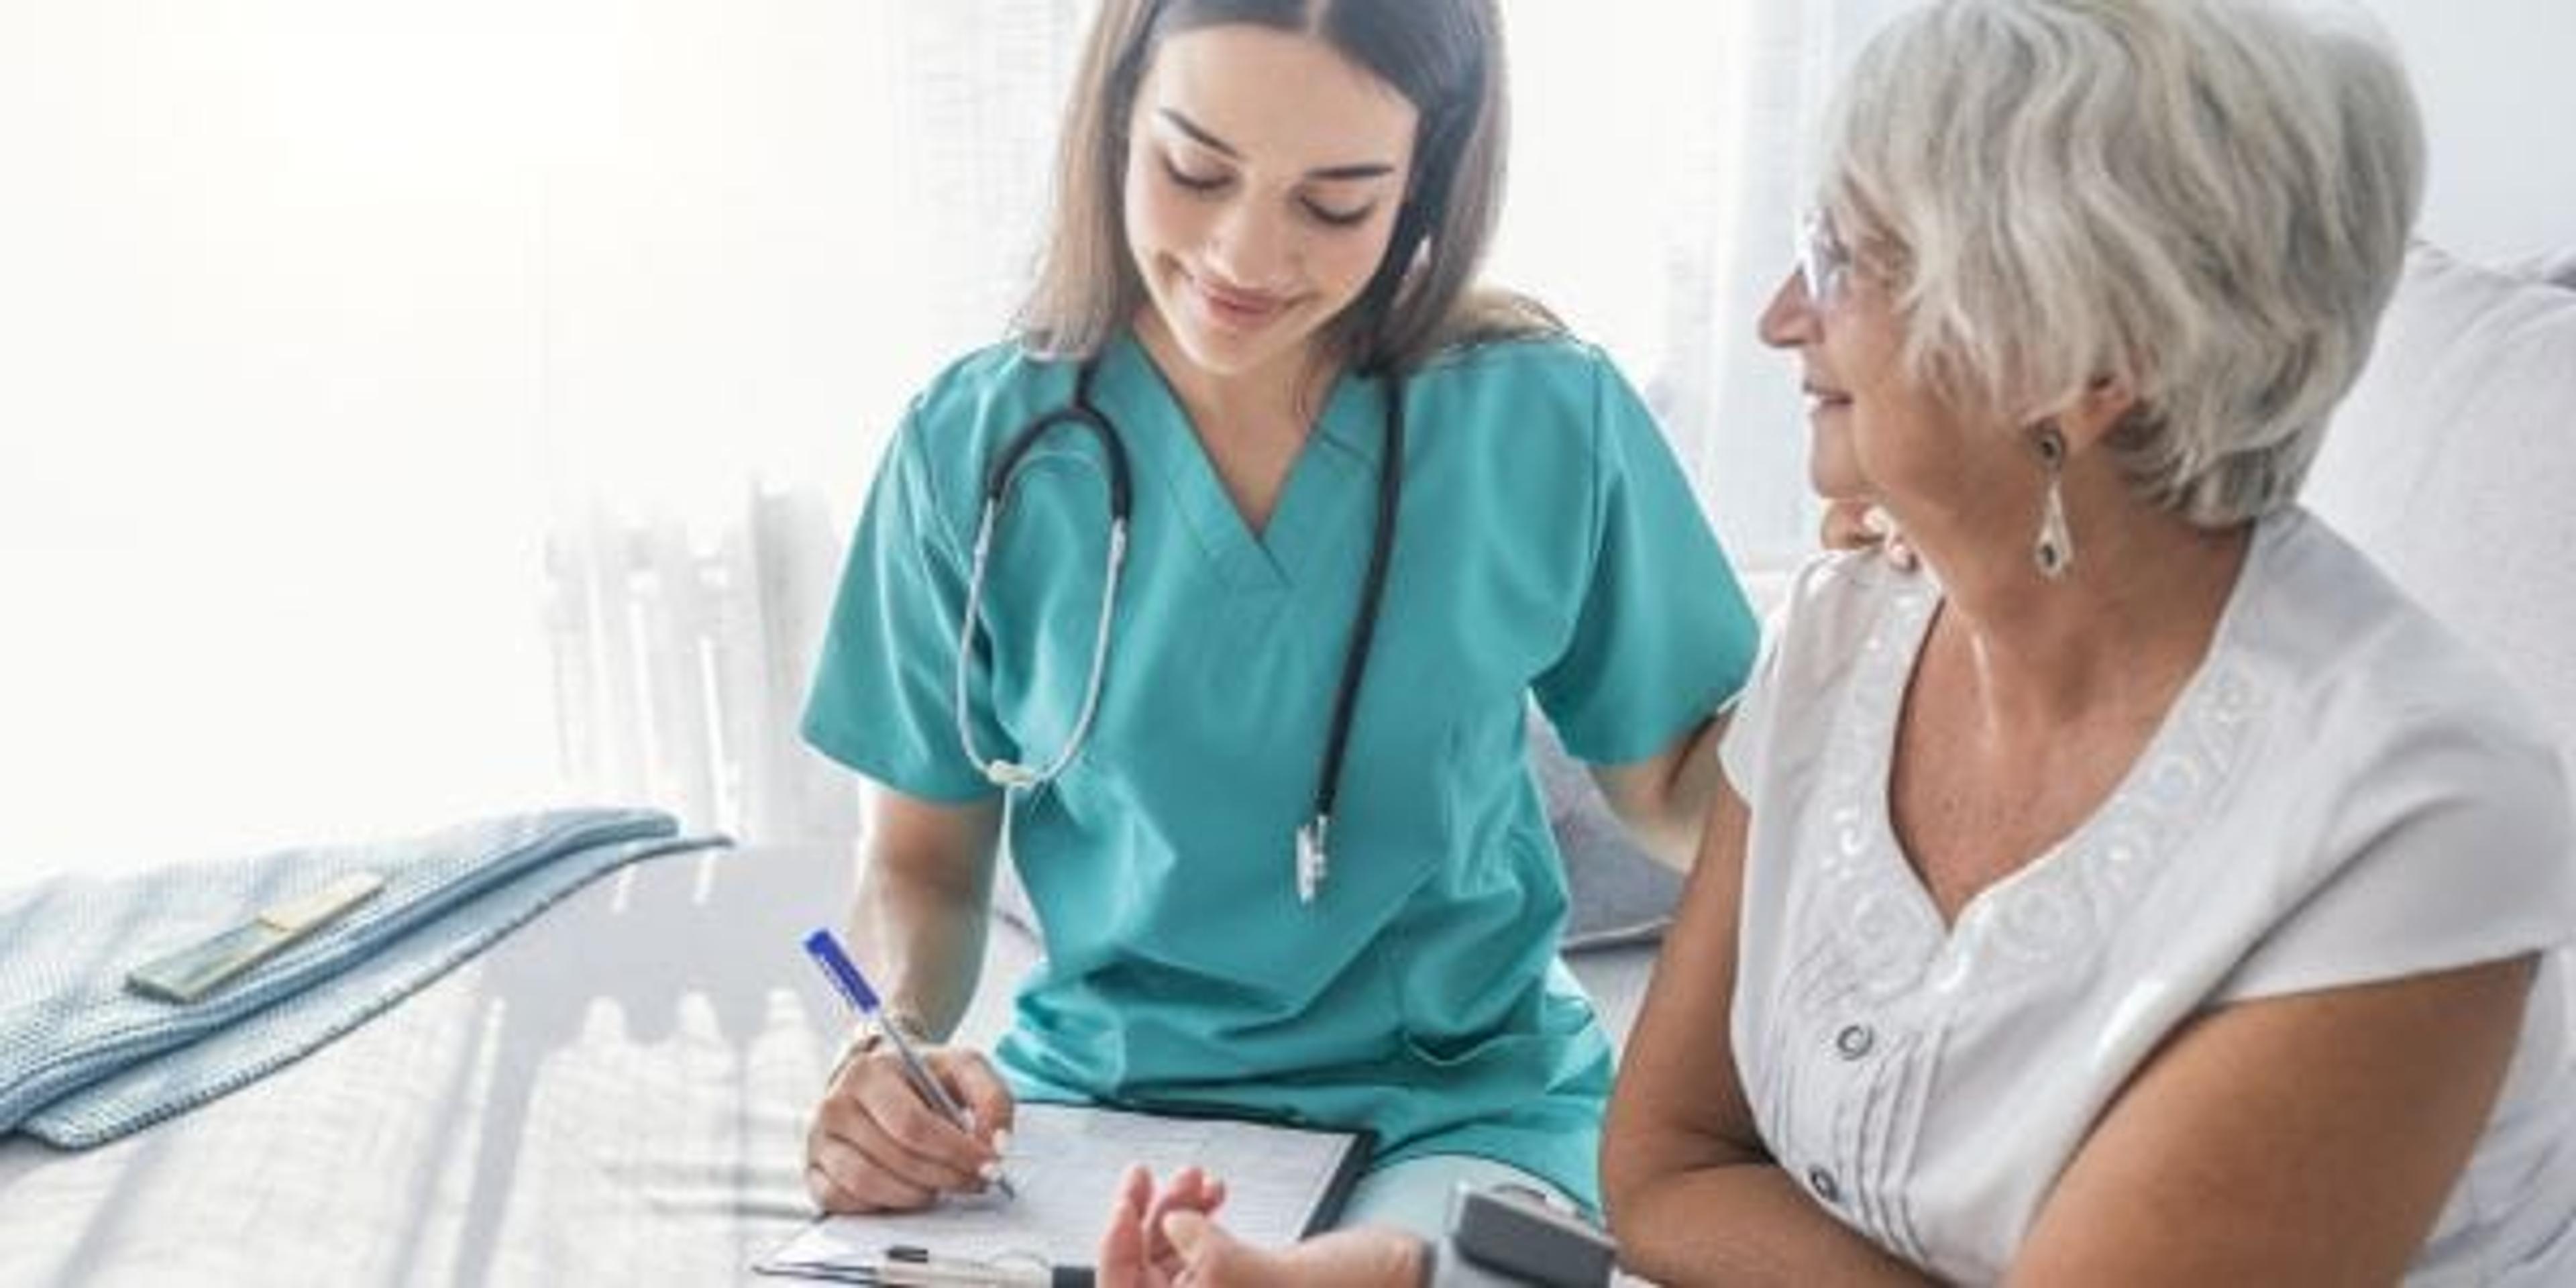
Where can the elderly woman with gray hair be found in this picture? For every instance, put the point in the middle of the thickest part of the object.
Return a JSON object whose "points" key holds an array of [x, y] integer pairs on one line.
{"points": [[2148, 892], [2145, 891]]}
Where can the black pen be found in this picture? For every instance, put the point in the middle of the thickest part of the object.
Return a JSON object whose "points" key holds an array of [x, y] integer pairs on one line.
{"points": [[915, 1266]]}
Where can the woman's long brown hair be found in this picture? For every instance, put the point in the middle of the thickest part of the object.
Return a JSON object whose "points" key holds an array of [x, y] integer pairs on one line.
{"points": [[1444, 56]]}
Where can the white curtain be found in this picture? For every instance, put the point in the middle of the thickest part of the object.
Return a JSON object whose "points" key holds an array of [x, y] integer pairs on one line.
{"points": [[417, 411], [796, 219]]}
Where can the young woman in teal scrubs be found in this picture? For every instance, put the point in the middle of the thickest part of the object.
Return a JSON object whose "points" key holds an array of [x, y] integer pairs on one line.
{"points": [[1261, 278]]}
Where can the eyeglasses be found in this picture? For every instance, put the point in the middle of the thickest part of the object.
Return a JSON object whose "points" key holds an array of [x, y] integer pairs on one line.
{"points": [[1824, 262]]}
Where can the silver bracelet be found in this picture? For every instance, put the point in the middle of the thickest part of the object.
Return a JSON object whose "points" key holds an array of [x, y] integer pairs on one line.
{"points": [[865, 1036]]}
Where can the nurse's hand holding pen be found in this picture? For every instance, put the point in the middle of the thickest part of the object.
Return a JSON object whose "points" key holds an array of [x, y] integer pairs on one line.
{"points": [[904, 1120]]}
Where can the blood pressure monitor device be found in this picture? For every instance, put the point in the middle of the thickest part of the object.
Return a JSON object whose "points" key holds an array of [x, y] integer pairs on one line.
{"points": [[1509, 1235]]}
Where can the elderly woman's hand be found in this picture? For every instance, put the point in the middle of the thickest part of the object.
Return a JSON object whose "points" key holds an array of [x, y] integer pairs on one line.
{"points": [[1858, 525], [1168, 1239]]}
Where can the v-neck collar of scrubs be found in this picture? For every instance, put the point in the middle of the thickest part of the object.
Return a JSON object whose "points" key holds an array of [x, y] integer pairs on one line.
{"points": [[1331, 484]]}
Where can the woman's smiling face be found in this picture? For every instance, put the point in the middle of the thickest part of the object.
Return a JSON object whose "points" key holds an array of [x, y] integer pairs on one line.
{"points": [[1873, 428], [1264, 174]]}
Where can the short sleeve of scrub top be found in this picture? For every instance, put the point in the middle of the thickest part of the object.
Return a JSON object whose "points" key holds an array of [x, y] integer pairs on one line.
{"points": [[1664, 636], [882, 701]]}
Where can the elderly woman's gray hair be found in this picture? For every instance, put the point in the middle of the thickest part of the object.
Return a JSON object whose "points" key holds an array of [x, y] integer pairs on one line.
{"points": [[2207, 199]]}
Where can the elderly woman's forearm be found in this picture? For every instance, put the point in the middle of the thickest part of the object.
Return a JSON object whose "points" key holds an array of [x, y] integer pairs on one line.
{"points": [[1747, 1225]]}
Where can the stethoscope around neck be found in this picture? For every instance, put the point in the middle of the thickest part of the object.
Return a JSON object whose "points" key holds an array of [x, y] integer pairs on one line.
{"points": [[1312, 848]]}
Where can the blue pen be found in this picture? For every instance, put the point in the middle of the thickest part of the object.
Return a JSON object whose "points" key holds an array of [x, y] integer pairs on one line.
{"points": [[853, 986]]}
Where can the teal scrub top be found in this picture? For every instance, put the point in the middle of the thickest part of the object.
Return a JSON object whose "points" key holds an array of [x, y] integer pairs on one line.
{"points": [[1547, 544]]}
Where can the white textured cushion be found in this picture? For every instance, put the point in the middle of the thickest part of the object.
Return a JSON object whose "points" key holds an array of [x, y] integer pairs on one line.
{"points": [[2453, 464]]}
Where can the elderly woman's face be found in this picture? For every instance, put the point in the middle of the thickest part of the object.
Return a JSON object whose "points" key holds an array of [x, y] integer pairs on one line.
{"points": [[1876, 434]]}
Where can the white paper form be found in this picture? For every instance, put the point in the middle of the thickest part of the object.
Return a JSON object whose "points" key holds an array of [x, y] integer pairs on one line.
{"points": [[1067, 1162]]}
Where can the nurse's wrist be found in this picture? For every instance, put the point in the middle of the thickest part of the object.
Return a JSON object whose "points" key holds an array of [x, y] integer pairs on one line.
{"points": [[870, 1033]]}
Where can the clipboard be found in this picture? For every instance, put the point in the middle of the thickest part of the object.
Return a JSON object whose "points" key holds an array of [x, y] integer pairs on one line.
{"points": [[1283, 1182]]}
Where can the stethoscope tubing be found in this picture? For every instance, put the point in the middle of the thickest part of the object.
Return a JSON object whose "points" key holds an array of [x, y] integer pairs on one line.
{"points": [[1312, 844], [1011, 774], [1390, 496]]}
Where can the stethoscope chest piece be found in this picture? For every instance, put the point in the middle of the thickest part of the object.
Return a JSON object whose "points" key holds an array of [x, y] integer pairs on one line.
{"points": [[1312, 858]]}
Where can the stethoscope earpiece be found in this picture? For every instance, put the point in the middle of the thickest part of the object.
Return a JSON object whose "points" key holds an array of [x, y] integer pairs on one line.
{"points": [[1012, 775]]}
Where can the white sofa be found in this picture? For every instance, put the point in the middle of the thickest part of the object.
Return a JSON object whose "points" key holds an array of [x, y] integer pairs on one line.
{"points": [[2453, 462]]}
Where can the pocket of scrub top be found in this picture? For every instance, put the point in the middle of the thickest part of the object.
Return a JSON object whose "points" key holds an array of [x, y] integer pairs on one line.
{"points": [[1461, 1053], [1472, 990], [1526, 1046]]}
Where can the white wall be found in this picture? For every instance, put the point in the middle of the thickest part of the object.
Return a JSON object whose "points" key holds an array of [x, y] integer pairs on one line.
{"points": [[2497, 81]]}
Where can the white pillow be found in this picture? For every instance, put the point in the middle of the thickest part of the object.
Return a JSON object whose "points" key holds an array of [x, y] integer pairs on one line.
{"points": [[2453, 463]]}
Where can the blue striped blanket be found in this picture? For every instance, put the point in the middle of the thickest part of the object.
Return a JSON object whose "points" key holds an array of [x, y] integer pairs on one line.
{"points": [[83, 1060]]}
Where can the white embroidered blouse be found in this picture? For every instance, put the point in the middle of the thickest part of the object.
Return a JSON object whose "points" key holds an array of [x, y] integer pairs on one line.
{"points": [[2341, 794]]}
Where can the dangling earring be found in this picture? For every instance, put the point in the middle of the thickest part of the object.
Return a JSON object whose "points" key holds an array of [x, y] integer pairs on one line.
{"points": [[2055, 549]]}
